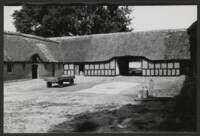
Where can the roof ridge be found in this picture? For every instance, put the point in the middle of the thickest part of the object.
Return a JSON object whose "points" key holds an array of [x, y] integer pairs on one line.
{"points": [[29, 36], [116, 33]]}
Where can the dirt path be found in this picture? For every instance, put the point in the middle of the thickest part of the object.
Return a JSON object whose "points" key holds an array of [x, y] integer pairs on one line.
{"points": [[30, 107]]}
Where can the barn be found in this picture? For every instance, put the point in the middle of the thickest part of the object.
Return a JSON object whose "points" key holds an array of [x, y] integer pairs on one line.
{"points": [[28, 56], [151, 53]]}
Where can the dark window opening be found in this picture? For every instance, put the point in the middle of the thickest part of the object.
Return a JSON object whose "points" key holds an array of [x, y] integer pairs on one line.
{"points": [[9, 67]]}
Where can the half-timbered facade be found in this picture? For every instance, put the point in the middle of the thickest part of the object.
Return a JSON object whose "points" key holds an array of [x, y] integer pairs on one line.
{"points": [[153, 53]]}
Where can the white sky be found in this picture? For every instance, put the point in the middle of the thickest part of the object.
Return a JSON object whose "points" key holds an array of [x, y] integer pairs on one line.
{"points": [[144, 17]]}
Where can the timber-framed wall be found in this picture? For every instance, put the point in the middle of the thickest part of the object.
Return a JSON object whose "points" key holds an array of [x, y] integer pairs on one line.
{"points": [[148, 67], [161, 68], [101, 69]]}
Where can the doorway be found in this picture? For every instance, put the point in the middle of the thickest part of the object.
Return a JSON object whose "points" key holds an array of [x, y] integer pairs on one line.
{"points": [[123, 66], [34, 71], [79, 69], [129, 66]]}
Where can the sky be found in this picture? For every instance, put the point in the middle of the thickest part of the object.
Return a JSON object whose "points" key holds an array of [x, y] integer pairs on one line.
{"points": [[144, 18]]}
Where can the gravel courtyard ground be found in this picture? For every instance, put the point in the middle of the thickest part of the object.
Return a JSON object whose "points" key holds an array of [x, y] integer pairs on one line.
{"points": [[31, 107]]}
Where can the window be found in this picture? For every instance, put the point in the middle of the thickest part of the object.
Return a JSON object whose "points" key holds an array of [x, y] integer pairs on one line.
{"points": [[148, 72], [164, 65], [71, 66], [157, 65], [160, 72], [66, 66], [112, 65], [135, 64], [170, 65], [156, 72], [176, 65], [96, 66], [101, 66], [91, 66], [165, 72], [152, 72], [169, 72], [177, 72], [9, 67], [145, 64], [107, 66], [86, 66], [143, 72], [151, 65], [113, 72], [173, 72]]}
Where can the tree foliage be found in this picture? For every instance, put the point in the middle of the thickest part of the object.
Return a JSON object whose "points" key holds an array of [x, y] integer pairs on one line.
{"points": [[53, 21]]}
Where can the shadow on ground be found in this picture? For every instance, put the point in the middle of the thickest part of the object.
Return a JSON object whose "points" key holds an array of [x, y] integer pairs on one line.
{"points": [[182, 113], [158, 114], [64, 85]]}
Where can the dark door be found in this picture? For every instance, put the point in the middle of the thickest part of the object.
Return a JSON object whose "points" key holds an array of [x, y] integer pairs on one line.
{"points": [[53, 69], [34, 71], [81, 68], [123, 66]]}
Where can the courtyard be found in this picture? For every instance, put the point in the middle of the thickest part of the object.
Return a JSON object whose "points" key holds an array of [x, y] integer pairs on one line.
{"points": [[31, 107]]}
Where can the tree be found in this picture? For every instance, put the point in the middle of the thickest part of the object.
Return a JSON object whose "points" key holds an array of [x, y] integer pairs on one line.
{"points": [[54, 21]]}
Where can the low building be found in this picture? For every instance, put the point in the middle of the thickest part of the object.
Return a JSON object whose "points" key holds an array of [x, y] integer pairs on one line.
{"points": [[152, 53], [27, 56]]}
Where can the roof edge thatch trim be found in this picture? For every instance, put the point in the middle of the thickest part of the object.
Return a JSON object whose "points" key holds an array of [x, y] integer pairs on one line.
{"points": [[43, 62], [29, 36], [105, 61], [114, 33]]}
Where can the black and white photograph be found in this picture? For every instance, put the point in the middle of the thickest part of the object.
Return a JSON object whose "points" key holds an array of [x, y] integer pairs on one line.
{"points": [[99, 68]]}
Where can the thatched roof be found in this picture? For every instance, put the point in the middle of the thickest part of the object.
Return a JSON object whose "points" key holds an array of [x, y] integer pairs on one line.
{"points": [[154, 45], [21, 47]]}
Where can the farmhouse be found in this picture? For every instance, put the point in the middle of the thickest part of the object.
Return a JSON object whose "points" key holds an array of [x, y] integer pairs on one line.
{"points": [[28, 56], [152, 53]]}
